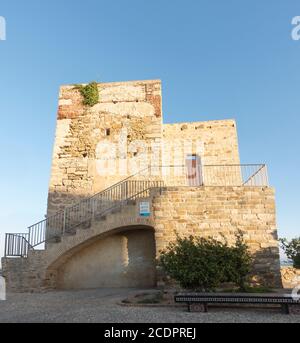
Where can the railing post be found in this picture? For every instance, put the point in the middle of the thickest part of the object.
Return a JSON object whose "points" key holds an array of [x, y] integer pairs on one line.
{"points": [[64, 222], [266, 175], [29, 230], [5, 246], [94, 207]]}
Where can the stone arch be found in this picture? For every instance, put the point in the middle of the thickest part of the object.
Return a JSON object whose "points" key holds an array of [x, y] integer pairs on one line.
{"points": [[121, 257]]}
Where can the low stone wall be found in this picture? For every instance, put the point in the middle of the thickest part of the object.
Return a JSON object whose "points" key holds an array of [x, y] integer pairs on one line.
{"points": [[290, 277]]}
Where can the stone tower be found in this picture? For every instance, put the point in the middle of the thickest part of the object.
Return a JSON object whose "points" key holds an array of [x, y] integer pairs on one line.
{"points": [[123, 183]]}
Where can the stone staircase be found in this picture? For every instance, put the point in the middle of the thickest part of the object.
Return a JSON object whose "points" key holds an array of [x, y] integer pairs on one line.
{"points": [[79, 216], [37, 270]]}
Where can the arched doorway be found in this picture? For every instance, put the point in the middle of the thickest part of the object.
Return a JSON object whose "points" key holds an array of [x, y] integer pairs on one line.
{"points": [[125, 258]]}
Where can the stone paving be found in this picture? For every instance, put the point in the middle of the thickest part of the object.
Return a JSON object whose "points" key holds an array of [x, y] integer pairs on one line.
{"points": [[101, 306]]}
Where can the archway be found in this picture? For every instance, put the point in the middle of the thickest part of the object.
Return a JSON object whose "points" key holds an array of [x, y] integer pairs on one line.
{"points": [[124, 258]]}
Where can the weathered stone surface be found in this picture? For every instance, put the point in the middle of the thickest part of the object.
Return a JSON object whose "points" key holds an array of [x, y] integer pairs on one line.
{"points": [[128, 108], [122, 92], [290, 277]]}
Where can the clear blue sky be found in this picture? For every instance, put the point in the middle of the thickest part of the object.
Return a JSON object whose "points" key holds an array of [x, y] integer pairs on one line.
{"points": [[217, 59]]}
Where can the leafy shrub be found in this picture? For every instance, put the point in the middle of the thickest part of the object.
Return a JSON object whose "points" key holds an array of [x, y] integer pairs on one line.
{"points": [[292, 250], [90, 93], [204, 263], [238, 262]]}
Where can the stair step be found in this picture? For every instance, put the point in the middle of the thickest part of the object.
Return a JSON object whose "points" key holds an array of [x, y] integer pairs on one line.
{"points": [[70, 232], [86, 225], [131, 202], [56, 239], [100, 217], [116, 210]]}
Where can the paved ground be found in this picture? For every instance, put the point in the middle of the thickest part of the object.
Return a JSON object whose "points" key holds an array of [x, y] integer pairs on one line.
{"points": [[101, 306]]}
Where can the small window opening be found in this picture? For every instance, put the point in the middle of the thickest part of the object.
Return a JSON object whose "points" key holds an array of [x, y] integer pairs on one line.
{"points": [[107, 132]]}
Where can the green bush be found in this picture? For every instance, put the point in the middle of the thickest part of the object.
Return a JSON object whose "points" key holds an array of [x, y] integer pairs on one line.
{"points": [[203, 264], [238, 262], [292, 250], [89, 93]]}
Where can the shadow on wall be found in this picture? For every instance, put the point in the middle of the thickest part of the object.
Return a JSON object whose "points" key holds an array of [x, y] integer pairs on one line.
{"points": [[124, 259], [79, 211], [58, 201], [266, 265]]}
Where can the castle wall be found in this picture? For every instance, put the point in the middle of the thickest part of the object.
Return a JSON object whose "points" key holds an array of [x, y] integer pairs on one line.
{"points": [[96, 147], [86, 260], [99, 146], [217, 211], [215, 141]]}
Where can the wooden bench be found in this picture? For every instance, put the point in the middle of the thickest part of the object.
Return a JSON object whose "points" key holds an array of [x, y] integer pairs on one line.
{"points": [[198, 302]]}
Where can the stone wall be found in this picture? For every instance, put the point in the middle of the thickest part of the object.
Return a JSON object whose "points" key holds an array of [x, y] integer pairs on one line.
{"points": [[290, 277], [96, 147], [215, 141], [99, 146], [101, 249], [217, 211], [26, 274]]}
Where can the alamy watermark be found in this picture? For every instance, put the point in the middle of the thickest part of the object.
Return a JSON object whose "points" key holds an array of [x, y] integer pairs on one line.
{"points": [[125, 157], [296, 29], [2, 28], [2, 289]]}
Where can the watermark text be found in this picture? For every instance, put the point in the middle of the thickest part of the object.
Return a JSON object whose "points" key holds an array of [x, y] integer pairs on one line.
{"points": [[2, 29], [296, 29]]}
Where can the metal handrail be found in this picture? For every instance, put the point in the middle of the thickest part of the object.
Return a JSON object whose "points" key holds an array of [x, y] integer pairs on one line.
{"points": [[16, 244], [109, 199], [71, 217], [256, 173]]}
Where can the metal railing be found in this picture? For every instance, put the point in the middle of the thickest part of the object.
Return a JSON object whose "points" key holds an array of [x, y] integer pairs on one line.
{"points": [[255, 175], [132, 188], [16, 244], [65, 222]]}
